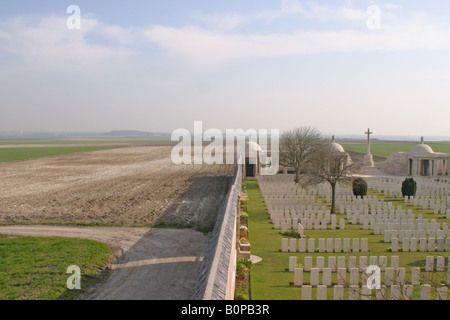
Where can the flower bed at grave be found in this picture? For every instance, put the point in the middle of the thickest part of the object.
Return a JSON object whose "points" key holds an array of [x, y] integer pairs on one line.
{"points": [[242, 279], [242, 284]]}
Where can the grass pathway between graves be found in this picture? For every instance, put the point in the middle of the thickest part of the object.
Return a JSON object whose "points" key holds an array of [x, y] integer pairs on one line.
{"points": [[270, 278]]}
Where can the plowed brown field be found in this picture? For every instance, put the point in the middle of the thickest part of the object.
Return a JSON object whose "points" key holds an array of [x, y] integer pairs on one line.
{"points": [[135, 185]]}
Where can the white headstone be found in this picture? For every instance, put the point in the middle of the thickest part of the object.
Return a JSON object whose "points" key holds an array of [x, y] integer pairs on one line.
{"points": [[364, 245], [341, 262], [423, 244], [352, 262], [389, 276], [382, 262], [332, 263], [311, 245], [316, 224], [381, 293], [401, 276], [341, 276], [355, 245], [395, 262], [395, 292], [300, 230], [353, 292], [298, 277], [338, 245], [321, 292], [342, 224], [292, 245], [387, 236], [441, 293], [314, 277], [440, 263], [440, 244], [413, 245], [362, 263], [306, 292], [338, 292], [366, 293], [407, 292], [405, 245], [333, 224], [308, 264], [285, 245], [346, 247], [425, 292], [415, 276], [302, 245], [377, 228], [320, 263], [330, 242], [326, 277], [394, 245], [322, 245], [292, 263], [429, 263], [448, 276], [431, 244]]}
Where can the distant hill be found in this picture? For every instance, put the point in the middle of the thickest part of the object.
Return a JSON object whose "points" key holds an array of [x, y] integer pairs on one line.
{"points": [[135, 133]]}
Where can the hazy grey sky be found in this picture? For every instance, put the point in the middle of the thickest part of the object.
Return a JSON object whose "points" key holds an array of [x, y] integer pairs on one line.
{"points": [[161, 65]]}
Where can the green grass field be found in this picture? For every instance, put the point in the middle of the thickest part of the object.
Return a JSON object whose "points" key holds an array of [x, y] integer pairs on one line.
{"points": [[16, 154], [385, 149], [270, 278], [34, 268]]}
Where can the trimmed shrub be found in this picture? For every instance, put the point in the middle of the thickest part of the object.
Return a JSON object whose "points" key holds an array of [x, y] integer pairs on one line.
{"points": [[359, 187], [409, 187]]}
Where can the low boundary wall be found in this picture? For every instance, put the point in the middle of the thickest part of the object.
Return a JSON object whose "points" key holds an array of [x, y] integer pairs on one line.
{"points": [[216, 279]]}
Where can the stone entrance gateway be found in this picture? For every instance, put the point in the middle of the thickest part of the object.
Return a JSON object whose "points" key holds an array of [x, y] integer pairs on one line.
{"points": [[250, 153], [249, 168]]}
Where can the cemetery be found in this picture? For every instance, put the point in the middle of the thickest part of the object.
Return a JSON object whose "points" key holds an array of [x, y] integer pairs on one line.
{"points": [[315, 255]]}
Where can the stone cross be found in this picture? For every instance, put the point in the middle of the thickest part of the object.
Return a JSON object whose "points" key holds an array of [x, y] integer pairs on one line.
{"points": [[368, 159], [368, 141]]}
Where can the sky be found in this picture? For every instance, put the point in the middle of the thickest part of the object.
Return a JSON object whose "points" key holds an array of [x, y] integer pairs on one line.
{"points": [[338, 66]]}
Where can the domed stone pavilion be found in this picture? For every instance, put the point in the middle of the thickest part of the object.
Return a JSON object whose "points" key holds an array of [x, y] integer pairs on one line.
{"points": [[421, 160]]}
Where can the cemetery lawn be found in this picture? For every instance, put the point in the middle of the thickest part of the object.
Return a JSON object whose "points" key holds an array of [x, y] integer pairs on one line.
{"points": [[270, 278], [16, 154], [34, 268]]}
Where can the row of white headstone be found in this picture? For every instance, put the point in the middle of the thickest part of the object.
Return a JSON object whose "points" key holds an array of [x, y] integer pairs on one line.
{"points": [[356, 277], [340, 262], [396, 292], [286, 224], [313, 215], [422, 244], [421, 226], [324, 245], [409, 234]]}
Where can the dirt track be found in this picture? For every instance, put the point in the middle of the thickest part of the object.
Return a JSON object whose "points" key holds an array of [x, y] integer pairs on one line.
{"points": [[126, 186]]}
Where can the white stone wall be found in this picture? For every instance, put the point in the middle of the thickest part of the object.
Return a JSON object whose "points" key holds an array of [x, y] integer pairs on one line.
{"points": [[396, 163]]}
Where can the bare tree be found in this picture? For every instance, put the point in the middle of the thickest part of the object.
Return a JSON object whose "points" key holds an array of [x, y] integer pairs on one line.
{"points": [[296, 146], [326, 164]]}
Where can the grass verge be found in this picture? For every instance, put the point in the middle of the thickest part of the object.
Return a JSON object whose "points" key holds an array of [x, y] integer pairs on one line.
{"points": [[34, 268]]}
